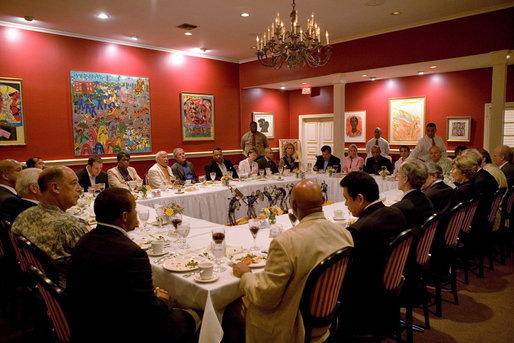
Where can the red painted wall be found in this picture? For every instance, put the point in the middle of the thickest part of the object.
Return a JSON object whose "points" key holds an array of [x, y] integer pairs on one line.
{"points": [[44, 62], [307, 104]]}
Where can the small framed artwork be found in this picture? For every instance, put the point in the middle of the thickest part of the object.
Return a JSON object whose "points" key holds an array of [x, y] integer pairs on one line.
{"points": [[197, 116], [265, 123], [458, 129], [406, 120], [297, 154], [355, 127], [12, 112]]}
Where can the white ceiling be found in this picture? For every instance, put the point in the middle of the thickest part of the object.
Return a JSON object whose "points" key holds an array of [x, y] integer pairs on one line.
{"points": [[221, 29]]}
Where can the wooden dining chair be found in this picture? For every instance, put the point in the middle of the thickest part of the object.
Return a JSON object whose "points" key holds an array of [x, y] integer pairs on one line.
{"points": [[503, 237], [319, 302]]}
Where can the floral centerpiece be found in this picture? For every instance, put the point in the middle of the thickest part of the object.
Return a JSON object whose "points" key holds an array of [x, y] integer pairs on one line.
{"points": [[144, 190], [271, 213], [172, 208], [330, 171], [383, 173], [297, 172], [225, 179]]}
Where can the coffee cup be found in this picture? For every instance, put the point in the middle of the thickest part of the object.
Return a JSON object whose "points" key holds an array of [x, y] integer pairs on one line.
{"points": [[206, 270], [338, 213], [188, 182], [157, 247]]}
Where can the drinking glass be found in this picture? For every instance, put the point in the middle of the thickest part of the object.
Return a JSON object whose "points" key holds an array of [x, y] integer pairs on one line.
{"points": [[183, 232], [101, 186], [230, 173], [176, 220], [254, 225], [132, 185], [201, 179], [213, 176], [159, 211], [261, 172], [268, 171], [143, 214], [218, 247]]}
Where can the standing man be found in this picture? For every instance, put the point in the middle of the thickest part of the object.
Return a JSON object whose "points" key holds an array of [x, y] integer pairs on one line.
{"points": [[273, 313], [219, 165], [375, 163], [327, 160], [9, 200], [254, 139], [378, 141], [92, 174], [422, 149], [27, 188], [404, 154], [267, 161], [182, 169], [160, 173], [502, 157]]}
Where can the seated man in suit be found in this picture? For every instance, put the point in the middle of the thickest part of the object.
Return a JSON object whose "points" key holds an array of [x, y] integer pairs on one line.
{"points": [[267, 161], [502, 157], [9, 198], [273, 296], [327, 160], [92, 174], [182, 169], [375, 163], [109, 284], [27, 187], [415, 205], [377, 224], [219, 166], [439, 193], [160, 173]]}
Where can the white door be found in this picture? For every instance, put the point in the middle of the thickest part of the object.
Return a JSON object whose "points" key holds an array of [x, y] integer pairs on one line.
{"points": [[315, 132]]}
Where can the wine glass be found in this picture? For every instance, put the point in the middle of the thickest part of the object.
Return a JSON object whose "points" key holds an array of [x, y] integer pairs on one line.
{"points": [[183, 232], [261, 172], [230, 173], [132, 185], [143, 214], [176, 220], [212, 175], [218, 247], [101, 187], [268, 171], [201, 178], [159, 211], [254, 225]]}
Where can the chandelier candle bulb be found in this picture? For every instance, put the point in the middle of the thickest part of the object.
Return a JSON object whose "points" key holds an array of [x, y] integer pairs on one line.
{"points": [[301, 35], [326, 35]]}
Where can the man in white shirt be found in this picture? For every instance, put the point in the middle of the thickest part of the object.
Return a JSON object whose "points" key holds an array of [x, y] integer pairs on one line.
{"points": [[92, 174], [422, 149], [160, 173], [404, 154], [378, 141]]}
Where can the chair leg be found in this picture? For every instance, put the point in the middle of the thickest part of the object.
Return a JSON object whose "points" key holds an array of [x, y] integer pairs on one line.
{"points": [[425, 306], [408, 323], [438, 301], [480, 265], [453, 277]]}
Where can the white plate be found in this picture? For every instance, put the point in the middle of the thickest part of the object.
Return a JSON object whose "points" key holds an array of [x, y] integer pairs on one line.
{"points": [[198, 278], [339, 218], [258, 258], [179, 265], [150, 253]]}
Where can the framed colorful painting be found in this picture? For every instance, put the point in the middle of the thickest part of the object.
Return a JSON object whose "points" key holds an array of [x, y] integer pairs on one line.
{"points": [[458, 129], [406, 120], [265, 123], [12, 114], [111, 113], [197, 116], [355, 127]]}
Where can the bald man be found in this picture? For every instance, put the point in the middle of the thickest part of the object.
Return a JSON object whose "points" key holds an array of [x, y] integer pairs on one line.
{"points": [[274, 295], [9, 200], [160, 173]]}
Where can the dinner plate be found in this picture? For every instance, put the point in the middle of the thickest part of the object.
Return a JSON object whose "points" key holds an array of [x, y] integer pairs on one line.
{"points": [[181, 265], [199, 279], [339, 218], [151, 254], [258, 259]]}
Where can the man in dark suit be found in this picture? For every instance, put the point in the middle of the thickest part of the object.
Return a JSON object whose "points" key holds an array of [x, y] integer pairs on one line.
{"points": [[92, 173], [9, 199], [111, 295], [503, 159], [219, 165], [183, 170], [439, 193], [376, 226], [267, 161], [327, 160], [375, 163], [415, 205], [28, 188]]}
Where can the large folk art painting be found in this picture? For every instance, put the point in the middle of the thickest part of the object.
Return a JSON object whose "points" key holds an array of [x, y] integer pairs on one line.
{"points": [[111, 113], [12, 115]]}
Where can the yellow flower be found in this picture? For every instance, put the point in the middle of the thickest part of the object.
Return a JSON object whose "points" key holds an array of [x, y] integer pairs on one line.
{"points": [[169, 212], [148, 188], [266, 210]]}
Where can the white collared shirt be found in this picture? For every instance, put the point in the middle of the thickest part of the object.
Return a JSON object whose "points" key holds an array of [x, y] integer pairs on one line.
{"points": [[407, 192], [222, 167], [114, 227], [31, 200], [9, 188], [382, 143], [373, 203], [92, 179], [422, 149], [504, 163]]}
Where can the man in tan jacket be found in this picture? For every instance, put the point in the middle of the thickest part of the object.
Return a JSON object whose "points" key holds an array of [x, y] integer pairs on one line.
{"points": [[273, 296]]}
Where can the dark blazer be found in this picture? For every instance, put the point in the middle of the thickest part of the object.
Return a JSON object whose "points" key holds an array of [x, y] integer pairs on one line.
{"points": [[464, 192], [263, 164], [441, 196], [212, 167], [84, 178], [24, 204], [508, 170], [416, 208], [332, 161], [179, 173], [10, 205], [373, 167], [485, 186], [111, 295]]}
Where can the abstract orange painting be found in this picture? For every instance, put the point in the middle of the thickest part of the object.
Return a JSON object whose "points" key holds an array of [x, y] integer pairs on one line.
{"points": [[406, 120]]}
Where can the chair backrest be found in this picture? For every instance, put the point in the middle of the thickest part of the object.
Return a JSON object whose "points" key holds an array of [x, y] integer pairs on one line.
{"points": [[470, 214], [53, 297], [508, 202], [426, 238], [396, 255], [19, 254], [456, 218], [497, 199], [34, 256], [318, 305]]}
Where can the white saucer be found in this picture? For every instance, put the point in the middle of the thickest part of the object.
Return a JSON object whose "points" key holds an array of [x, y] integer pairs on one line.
{"points": [[151, 254], [338, 218], [198, 278]]}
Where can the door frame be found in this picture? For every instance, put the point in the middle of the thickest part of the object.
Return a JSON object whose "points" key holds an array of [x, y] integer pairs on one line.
{"points": [[301, 120]]}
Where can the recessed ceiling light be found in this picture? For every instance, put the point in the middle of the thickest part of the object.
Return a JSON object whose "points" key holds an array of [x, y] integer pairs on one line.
{"points": [[134, 37], [433, 67], [421, 72], [102, 16], [188, 33], [364, 75], [283, 87], [304, 83], [372, 78], [508, 56], [396, 13], [245, 14], [28, 18]]}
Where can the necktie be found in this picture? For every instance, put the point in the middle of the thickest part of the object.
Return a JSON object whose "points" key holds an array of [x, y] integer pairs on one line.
{"points": [[253, 141], [433, 142], [376, 142]]}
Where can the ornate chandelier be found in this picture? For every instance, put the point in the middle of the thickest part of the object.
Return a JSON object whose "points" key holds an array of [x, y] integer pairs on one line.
{"points": [[278, 46]]}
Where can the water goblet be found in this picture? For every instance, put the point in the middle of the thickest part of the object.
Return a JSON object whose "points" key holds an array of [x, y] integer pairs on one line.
{"points": [[132, 186], [183, 232], [101, 186], [268, 171], [261, 172], [254, 225], [144, 215], [201, 179], [213, 176], [159, 211], [230, 173], [176, 220], [218, 247]]}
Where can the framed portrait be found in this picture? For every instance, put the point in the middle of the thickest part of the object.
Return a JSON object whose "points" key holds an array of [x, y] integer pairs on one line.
{"points": [[265, 123], [458, 129], [12, 112], [197, 116], [297, 148], [355, 127], [406, 120]]}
